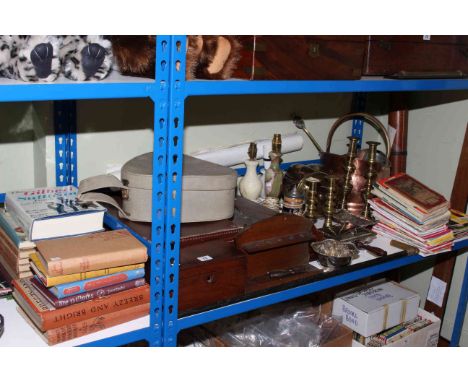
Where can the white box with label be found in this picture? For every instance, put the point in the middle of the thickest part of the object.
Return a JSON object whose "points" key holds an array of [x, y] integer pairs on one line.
{"points": [[425, 337], [375, 307]]}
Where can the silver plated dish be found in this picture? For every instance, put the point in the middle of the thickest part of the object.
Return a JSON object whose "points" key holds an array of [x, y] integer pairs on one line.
{"points": [[334, 254]]}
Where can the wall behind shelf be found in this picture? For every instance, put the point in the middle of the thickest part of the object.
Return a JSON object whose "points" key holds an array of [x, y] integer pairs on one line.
{"points": [[437, 124]]}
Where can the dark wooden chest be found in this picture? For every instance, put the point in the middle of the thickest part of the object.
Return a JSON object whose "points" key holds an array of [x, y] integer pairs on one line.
{"points": [[210, 273], [301, 57], [416, 56]]}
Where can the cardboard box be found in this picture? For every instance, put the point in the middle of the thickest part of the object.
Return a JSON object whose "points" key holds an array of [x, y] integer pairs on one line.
{"points": [[375, 307], [425, 337]]}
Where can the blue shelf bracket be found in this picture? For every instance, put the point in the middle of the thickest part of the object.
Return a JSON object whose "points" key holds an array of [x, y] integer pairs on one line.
{"points": [[359, 105], [65, 143]]}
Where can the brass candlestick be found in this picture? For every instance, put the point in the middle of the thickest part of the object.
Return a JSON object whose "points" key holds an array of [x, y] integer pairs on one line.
{"points": [[311, 198], [347, 187], [330, 202], [276, 144], [370, 176]]}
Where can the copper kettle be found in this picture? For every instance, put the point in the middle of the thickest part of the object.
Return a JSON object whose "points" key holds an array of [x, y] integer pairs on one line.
{"points": [[335, 164]]}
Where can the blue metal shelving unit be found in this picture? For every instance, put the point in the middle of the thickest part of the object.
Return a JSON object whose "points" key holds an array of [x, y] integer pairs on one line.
{"points": [[169, 91]]}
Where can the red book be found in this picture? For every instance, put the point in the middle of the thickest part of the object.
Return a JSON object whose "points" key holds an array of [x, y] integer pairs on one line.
{"points": [[45, 316], [91, 325]]}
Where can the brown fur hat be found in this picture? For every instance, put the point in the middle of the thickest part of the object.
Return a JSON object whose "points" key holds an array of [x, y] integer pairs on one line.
{"points": [[208, 57], [218, 57]]}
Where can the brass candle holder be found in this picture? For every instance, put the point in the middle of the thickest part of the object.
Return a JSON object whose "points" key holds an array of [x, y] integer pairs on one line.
{"points": [[276, 143], [349, 169], [370, 176], [311, 198], [329, 208]]}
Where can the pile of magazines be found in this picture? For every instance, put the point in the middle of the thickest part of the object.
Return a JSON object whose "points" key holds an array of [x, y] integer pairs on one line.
{"points": [[459, 225], [410, 212]]}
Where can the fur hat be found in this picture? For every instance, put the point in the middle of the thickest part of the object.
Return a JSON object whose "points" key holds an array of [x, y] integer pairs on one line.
{"points": [[208, 57]]}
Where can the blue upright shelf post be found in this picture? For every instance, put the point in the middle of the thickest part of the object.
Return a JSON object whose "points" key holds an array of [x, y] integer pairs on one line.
{"points": [[160, 97], [461, 310], [175, 125], [65, 143], [359, 105]]}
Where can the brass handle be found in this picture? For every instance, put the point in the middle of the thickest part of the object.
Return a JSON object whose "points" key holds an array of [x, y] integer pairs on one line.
{"points": [[374, 122]]}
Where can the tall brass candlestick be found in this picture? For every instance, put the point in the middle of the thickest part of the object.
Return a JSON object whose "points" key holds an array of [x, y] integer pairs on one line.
{"points": [[371, 175], [311, 198], [330, 201], [352, 151]]}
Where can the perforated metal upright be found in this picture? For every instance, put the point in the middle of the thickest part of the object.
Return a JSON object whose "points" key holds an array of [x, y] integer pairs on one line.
{"points": [[168, 97], [65, 143], [359, 105]]}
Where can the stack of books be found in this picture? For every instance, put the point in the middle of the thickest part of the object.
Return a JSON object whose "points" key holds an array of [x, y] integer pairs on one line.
{"points": [[410, 212], [459, 225], [15, 248], [393, 334], [70, 277], [84, 284]]}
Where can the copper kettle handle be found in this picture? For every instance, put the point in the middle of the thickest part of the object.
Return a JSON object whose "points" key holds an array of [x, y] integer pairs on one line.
{"points": [[376, 124]]}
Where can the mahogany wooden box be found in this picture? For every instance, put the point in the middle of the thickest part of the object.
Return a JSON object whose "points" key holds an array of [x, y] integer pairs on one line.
{"points": [[210, 273], [301, 57], [279, 243], [416, 56]]}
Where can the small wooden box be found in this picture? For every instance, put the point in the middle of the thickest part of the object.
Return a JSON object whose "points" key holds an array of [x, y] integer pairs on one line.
{"points": [[301, 57], [210, 273], [431, 56], [277, 243]]}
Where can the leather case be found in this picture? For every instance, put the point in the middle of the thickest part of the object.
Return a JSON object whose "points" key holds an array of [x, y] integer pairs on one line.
{"points": [[208, 189]]}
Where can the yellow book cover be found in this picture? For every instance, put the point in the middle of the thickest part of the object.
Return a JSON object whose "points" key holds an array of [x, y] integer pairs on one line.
{"points": [[57, 280]]}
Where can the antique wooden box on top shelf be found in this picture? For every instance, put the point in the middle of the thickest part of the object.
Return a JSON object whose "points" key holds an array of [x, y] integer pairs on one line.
{"points": [[301, 57], [416, 56]]}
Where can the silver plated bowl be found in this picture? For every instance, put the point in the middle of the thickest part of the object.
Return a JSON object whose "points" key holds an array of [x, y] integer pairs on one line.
{"points": [[334, 253]]}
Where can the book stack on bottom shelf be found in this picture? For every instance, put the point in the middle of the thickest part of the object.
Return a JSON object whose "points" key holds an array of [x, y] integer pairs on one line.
{"points": [[386, 314], [15, 248], [84, 284], [412, 213]]}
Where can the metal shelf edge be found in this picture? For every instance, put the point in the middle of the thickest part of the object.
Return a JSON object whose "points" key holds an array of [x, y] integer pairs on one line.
{"points": [[55, 92], [262, 301], [120, 339], [234, 87]]}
